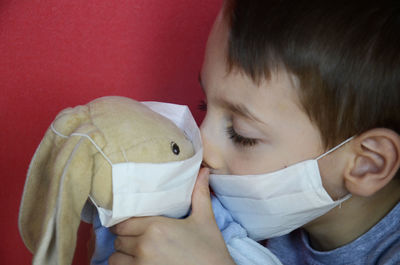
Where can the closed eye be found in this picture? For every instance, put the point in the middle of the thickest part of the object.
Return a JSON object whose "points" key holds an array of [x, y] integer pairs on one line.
{"points": [[238, 139]]}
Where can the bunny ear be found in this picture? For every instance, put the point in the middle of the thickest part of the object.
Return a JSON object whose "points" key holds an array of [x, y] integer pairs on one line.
{"points": [[57, 187]]}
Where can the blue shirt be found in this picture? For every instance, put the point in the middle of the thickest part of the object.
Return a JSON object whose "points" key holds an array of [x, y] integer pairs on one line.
{"points": [[379, 245]]}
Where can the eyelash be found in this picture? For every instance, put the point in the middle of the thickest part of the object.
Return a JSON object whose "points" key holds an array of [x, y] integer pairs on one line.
{"points": [[238, 139], [232, 134]]}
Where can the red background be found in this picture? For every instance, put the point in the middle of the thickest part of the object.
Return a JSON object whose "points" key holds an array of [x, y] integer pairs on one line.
{"points": [[60, 53]]}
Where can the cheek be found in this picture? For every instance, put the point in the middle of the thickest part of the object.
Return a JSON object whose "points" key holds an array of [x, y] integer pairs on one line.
{"points": [[237, 165], [332, 170], [252, 162]]}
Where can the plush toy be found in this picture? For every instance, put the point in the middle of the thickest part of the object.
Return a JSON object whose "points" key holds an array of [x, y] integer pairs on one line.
{"points": [[109, 160], [74, 162]]}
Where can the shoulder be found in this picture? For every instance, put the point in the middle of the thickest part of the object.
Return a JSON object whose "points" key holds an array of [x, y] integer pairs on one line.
{"points": [[387, 251]]}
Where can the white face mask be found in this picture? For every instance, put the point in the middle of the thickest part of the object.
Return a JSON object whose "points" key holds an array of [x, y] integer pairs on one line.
{"points": [[149, 189], [276, 203]]}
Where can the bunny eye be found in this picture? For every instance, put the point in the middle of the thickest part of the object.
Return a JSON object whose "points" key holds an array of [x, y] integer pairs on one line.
{"points": [[175, 148]]}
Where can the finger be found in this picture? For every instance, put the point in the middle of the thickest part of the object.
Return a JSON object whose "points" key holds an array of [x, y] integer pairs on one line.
{"points": [[135, 226], [126, 245], [118, 258], [201, 200]]}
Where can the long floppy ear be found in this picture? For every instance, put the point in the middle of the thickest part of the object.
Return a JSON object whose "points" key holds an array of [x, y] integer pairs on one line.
{"points": [[57, 187]]}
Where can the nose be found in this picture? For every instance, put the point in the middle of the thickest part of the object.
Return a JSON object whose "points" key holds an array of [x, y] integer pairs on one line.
{"points": [[212, 146]]}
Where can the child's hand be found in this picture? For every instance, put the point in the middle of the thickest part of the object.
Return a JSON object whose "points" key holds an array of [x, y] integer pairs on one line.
{"points": [[162, 240]]}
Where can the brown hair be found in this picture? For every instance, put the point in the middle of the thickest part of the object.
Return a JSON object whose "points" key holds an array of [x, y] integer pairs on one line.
{"points": [[345, 55]]}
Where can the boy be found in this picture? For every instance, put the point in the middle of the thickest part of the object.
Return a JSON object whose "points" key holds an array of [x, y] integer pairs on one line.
{"points": [[286, 81]]}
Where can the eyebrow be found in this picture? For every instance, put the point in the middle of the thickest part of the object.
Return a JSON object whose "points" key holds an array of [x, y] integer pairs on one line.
{"points": [[240, 109], [237, 108]]}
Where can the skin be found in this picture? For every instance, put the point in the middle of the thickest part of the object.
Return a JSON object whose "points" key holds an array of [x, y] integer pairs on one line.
{"points": [[278, 134]]}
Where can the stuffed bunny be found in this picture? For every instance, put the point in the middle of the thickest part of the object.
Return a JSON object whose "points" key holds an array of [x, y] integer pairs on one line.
{"points": [[73, 163]]}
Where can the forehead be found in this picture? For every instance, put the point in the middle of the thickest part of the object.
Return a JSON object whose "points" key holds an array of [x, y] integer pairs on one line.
{"points": [[279, 92]]}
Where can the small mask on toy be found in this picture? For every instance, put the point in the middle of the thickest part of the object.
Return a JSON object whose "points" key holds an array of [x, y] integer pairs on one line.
{"points": [[128, 158]]}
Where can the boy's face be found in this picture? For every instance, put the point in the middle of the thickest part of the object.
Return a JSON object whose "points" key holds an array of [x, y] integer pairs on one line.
{"points": [[249, 128]]}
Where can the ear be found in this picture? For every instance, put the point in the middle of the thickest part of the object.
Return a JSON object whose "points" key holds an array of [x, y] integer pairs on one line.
{"points": [[57, 186], [376, 161]]}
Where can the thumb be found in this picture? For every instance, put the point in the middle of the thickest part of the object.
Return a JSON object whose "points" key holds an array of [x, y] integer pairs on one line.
{"points": [[201, 200]]}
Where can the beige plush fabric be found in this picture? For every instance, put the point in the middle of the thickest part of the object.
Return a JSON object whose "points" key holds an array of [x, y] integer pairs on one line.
{"points": [[66, 169]]}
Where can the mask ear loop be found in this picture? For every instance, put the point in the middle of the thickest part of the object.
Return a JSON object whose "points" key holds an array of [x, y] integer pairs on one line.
{"points": [[83, 135], [93, 142], [330, 151], [336, 147]]}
